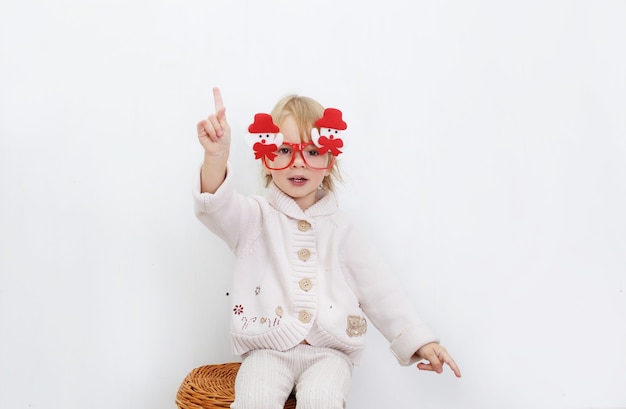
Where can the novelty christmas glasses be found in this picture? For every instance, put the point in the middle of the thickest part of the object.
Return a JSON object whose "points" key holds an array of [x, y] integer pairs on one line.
{"points": [[320, 153], [286, 155]]}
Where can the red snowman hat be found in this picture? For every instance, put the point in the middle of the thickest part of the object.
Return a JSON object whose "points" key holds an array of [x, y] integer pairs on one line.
{"points": [[263, 124], [331, 119]]}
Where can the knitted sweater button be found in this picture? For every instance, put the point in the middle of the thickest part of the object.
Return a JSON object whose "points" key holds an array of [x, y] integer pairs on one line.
{"points": [[303, 225], [304, 254], [304, 317], [306, 284]]}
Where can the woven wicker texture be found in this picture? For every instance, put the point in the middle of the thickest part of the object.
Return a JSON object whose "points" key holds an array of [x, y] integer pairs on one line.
{"points": [[212, 387]]}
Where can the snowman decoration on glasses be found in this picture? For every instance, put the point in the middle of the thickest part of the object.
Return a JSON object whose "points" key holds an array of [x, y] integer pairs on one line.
{"points": [[330, 127], [266, 139]]}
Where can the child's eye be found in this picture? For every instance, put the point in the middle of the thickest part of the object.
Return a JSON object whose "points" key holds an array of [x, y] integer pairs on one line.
{"points": [[284, 151]]}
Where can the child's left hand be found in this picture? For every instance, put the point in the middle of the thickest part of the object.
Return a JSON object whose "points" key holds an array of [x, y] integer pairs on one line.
{"points": [[436, 356]]}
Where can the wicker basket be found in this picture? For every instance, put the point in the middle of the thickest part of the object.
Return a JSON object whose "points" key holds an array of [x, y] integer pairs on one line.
{"points": [[212, 387]]}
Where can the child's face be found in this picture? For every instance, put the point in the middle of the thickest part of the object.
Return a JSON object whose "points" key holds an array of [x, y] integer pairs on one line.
{"points": [[298, 180]]}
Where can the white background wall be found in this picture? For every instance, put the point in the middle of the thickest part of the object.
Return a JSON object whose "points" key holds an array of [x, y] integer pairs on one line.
{"points": [[486, 154]]}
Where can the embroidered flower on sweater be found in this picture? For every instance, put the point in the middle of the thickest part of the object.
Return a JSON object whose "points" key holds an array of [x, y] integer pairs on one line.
{"points": [[238, 309]]}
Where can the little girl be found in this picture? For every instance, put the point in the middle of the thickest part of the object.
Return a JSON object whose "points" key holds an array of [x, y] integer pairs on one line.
{"points": [[306, 284]]}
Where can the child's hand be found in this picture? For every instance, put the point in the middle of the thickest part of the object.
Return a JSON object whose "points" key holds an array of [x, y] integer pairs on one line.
{"points": [[214, 132], [436, 356]]}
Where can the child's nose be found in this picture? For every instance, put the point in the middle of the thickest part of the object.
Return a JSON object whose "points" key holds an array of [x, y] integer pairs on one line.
{"points": [[298, 160]]}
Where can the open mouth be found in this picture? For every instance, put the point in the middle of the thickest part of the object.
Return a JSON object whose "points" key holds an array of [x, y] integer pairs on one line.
{"points": [[298, 180]]}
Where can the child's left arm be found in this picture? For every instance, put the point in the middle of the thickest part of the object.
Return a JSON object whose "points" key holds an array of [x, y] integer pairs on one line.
{"points": [[435, 356]]}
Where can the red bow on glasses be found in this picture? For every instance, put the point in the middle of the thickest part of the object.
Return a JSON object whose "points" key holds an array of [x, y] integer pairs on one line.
{"points": [[330, 144], [262, 150]]}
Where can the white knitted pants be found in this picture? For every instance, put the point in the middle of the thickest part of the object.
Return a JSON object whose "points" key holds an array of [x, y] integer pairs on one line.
{"points": [[321, 378]]}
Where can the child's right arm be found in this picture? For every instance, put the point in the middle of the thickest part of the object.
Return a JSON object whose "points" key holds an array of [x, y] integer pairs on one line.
{"points": [[214, 136]]}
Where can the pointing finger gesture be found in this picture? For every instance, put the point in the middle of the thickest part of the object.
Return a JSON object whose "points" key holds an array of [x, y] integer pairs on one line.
{"points": [[214, 132], [436, 356]]}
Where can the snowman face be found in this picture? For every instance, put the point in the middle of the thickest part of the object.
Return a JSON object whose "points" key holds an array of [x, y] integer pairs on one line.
{"points": [[264, 138], [330, 133]]}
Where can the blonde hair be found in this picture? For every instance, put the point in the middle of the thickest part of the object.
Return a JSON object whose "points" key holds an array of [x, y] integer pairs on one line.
{"points": [[305, 111]]}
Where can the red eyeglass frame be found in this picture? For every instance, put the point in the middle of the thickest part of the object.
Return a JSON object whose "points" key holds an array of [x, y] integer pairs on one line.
{"points": [[299, 147]]}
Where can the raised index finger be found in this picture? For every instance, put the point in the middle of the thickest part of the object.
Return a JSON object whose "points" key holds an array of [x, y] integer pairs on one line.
{"points": [[219, 103]]}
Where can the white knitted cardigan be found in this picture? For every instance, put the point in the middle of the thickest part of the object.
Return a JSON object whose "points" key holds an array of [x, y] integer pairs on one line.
{"points": [[306, 275]]}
